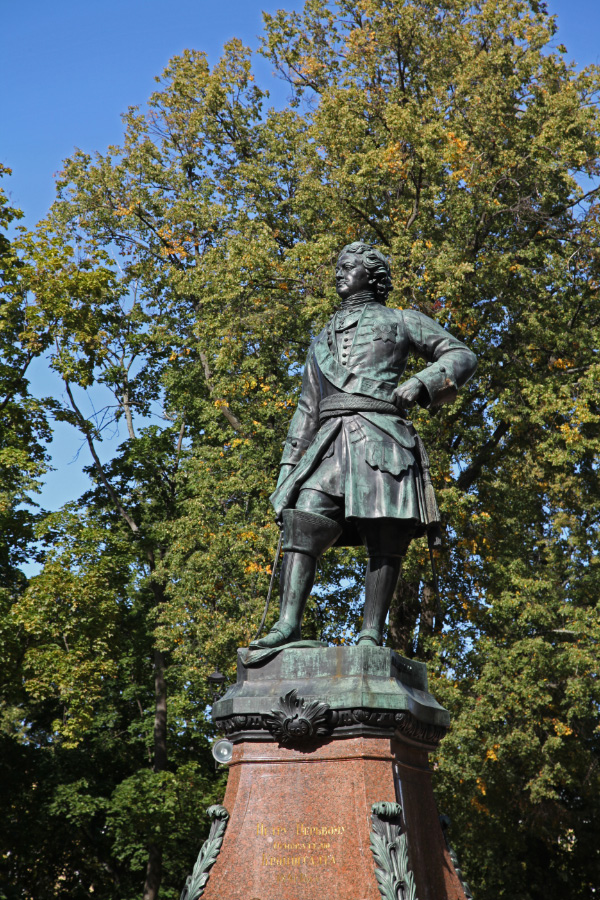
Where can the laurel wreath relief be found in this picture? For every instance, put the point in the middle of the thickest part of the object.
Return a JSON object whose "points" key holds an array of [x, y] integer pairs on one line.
{"points": [[197, 881]]}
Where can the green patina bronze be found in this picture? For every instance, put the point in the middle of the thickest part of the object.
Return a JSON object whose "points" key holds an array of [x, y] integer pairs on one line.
{"points": [[196, 882], [378, 442], [331, 692], [390, 852], [354, 470]]}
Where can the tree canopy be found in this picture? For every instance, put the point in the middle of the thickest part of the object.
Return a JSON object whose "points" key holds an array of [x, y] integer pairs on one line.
{"points": [[175, 287]]}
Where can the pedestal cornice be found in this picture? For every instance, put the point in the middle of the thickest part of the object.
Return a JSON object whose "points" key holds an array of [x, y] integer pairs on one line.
{"points": [[304, 696]]}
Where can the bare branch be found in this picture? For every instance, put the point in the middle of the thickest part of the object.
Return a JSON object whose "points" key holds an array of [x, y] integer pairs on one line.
{"points": [[84, 425], [180, 440], [415, 209], [17, 379], [224, 407], [466, 478], [127, 409]]}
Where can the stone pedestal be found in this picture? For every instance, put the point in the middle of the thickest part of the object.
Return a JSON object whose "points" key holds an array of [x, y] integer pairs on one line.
{"points": [[329, 792]]}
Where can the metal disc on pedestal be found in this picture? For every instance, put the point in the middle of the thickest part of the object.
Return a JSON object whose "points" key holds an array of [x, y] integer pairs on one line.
{"points": [[223, 751]]}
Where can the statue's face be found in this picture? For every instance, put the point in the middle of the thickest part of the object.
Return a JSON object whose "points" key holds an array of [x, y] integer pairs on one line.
{"points": [[350, 275]]}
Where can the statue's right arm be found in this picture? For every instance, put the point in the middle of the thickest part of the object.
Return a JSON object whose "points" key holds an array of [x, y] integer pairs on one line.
{"points": [[305, 421]]}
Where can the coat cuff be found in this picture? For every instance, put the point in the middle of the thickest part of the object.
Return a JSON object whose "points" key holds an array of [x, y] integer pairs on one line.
{"points": [[439, 383]]}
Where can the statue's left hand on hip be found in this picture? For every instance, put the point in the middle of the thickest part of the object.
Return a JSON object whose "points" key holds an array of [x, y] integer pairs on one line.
{"points": [[408, 394]]}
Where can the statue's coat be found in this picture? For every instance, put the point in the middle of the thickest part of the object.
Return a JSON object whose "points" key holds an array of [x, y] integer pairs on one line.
{"points": [[375, 460]]}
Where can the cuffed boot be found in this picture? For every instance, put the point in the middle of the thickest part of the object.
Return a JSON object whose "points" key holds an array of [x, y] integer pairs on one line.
{"points": [[306, 536], [382, 575]]}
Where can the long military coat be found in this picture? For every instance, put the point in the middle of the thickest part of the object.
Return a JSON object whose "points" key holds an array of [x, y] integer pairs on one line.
{"points": [[374, 460]]}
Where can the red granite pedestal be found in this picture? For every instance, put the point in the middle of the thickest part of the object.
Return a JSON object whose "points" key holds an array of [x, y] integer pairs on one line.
{"points": [[300, 821]]}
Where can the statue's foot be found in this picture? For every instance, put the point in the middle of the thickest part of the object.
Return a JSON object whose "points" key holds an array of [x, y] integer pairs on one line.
{"points": [[370, 636], [281, 633]]}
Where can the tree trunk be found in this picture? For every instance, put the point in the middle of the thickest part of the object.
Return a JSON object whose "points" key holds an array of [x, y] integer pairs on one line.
{"points": [[154, 867], [427, 621], [160, 713], [404, 612], [153, 872]]}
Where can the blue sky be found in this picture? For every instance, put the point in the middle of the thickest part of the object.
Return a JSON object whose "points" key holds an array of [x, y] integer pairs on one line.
{"points": [[71, 67]]}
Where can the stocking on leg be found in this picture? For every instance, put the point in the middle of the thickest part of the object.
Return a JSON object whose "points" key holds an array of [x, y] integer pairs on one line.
{"points": [[387, 541], [382, 575]]}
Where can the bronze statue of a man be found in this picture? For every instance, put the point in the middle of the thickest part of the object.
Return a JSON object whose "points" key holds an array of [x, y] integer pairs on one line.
{"points": [[353, 470]]}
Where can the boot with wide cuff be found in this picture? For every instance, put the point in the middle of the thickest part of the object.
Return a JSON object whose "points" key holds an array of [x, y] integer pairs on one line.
{"points": [[309, 532], [306, 536]]}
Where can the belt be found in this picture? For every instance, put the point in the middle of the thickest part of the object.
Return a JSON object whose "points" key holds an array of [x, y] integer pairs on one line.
{"points": [[348, 404]]}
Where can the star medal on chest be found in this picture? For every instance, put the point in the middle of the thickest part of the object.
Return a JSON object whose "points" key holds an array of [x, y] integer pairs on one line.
{"points": [[384, 332]]}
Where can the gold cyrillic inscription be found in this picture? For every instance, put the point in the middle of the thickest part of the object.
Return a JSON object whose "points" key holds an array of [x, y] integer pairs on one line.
{"points": [[303, 860], [302, 845], [319, 829], [289, 852], [294, 878]]}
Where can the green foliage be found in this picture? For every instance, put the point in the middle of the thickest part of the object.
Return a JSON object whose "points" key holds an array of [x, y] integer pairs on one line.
{"points": [[23, 431], [23, 426], [178, 281]]}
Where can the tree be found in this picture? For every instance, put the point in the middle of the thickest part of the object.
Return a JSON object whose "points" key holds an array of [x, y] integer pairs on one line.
{"points": [[451, 134], [23, 425], [24, 430], [186, 272]]}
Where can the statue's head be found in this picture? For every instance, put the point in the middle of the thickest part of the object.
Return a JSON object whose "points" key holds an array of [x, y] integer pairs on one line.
{"points": [[361, 267]]}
